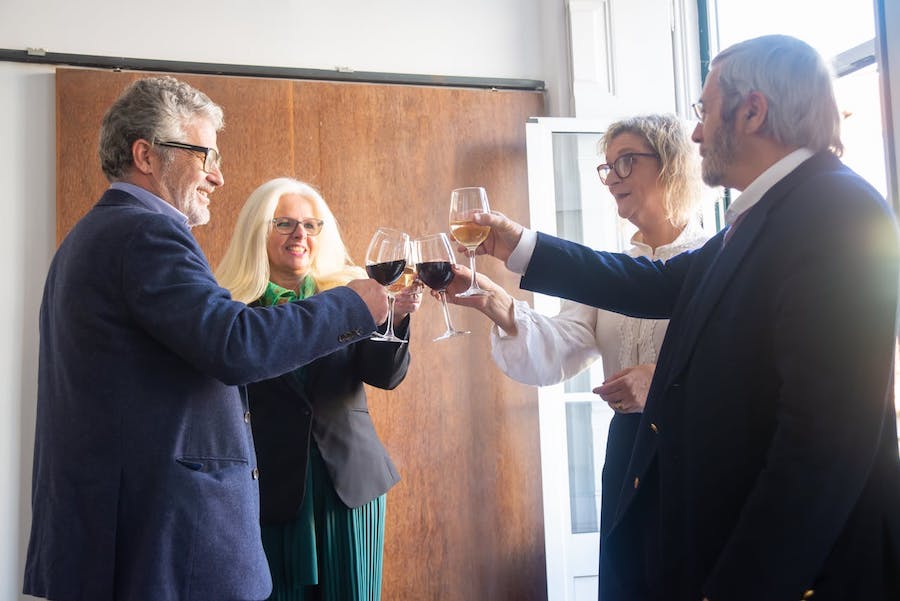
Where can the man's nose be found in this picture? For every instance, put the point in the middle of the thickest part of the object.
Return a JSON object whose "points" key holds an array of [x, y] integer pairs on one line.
{"points": [[697, 134]]}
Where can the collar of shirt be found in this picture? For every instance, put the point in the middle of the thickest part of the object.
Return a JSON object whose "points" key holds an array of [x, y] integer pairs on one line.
{"points": [[686, 239], [151, 199], [764, 182]]}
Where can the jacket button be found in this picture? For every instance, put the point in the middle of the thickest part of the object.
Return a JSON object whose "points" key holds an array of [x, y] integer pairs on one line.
{"points": [[654, 428], [808, 594], [254, 473], [247, 417], [636, 481]]}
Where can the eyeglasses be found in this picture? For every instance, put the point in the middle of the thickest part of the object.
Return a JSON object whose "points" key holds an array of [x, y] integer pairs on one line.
{"points": [[622, 165], [699, 111], [287, 226], [211, 157]]}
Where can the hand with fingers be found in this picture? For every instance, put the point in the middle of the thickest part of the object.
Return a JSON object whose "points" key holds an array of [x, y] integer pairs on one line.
{"points": [[498, 306], [375, 297], [626, 391], [503, 238], [408, 300]]}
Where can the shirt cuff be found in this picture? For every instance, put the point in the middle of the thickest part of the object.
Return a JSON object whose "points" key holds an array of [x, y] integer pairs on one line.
{"points": [[521, 255]]}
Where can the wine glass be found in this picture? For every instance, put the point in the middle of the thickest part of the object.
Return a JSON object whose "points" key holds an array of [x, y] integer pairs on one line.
{"points": [[434, 262], [386, 259], [464, 203]]}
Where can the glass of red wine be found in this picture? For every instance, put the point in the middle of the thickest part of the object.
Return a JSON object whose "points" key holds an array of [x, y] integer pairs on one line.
{"points": [[464, 203], [386, 260], [434, 264]]}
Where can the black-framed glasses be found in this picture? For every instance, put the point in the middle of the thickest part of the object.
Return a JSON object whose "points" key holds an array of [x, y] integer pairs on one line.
{"points": [[622, 165], [699, 111], [287, 226], [211, 157]]}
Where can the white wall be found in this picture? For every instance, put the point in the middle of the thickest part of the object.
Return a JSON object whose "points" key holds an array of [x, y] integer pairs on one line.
{"points": [[27, 215], [519, 39]]}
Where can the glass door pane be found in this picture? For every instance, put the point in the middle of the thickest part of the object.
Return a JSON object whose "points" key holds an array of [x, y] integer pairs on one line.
{"points": [[568, 200]]}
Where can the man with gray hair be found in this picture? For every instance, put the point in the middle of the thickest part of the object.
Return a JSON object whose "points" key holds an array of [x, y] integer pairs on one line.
{"points": [[766, 464], [145, 482]]}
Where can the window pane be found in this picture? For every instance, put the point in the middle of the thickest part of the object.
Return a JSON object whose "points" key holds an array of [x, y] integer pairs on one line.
{"points": [[829, 26], [861, 132], [583, 474]]}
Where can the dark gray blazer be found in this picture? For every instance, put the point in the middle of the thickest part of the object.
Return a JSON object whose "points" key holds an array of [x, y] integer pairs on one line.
{"points": [[145, 481], [766, 461], [329, 408]]}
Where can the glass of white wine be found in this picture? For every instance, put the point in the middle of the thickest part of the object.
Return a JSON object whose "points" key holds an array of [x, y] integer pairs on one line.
{"points": [[464, 204]]}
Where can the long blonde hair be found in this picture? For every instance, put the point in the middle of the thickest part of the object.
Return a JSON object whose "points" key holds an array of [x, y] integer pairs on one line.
{"points": [[244, 270]]}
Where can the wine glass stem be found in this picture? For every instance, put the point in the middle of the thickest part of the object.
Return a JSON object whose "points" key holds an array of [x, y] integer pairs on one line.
{"points": [[389, 331], [474, 284], [446, 309]]}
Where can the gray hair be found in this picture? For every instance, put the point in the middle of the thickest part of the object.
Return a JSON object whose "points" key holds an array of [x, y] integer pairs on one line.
{"points": [[667, 136], [154, 108], [797, 84]]}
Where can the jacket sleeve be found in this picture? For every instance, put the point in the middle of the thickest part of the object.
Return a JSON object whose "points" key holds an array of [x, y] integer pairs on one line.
{"points": [[173, 294], [384, 364], [633, 286]]}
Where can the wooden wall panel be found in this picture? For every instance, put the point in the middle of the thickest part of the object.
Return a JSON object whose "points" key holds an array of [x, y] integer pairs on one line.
{"points": [[465, 522]]}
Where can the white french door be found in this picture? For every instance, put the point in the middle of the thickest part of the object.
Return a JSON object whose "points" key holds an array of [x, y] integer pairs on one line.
{"points": [[568, 200]]}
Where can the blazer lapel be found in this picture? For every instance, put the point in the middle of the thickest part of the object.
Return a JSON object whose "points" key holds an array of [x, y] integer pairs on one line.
{"points": [[722, 269]]}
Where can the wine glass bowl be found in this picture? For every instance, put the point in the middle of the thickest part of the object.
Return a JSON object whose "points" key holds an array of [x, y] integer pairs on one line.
{"points": [[464, 204], [386, 260], [434, 263]]}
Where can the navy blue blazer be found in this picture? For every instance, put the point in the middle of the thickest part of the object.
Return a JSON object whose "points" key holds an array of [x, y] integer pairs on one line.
{"points": [[145, 478], [766, 461]]}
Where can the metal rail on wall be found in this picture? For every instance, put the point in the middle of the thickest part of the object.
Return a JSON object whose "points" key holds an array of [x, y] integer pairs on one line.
{"points": [[41, 56]]}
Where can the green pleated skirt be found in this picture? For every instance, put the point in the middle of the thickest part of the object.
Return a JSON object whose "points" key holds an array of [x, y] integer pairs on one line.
{"points": [[331, 552]]}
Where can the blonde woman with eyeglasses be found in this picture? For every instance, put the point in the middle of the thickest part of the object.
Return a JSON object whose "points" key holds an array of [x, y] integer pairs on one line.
{"points": [[324, 473]]}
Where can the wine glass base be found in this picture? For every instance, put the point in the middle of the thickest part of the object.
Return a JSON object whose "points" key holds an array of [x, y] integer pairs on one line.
{"points": [[377, 337], [474, 292], [451, 334]]}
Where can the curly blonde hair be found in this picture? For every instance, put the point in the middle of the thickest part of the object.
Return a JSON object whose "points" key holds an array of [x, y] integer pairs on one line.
{"points": [[679, 173]]}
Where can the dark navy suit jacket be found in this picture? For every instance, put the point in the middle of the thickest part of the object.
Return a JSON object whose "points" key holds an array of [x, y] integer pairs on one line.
{"points": [[766, 461], [145, 481]]}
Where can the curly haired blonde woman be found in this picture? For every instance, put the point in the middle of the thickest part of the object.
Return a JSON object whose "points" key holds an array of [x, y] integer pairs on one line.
{"points": [[652, 172]]}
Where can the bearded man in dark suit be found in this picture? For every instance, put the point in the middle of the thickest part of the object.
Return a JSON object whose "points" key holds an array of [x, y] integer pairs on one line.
{"points": [[145, 481], [766, 464]]}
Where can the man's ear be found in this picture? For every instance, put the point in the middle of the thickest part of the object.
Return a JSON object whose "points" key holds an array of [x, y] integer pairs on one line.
{"points": [[141, 154], [753, 112]]}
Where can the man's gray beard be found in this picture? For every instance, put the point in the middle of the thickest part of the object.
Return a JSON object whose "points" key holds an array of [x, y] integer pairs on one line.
{"points": [[719, 157]]}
